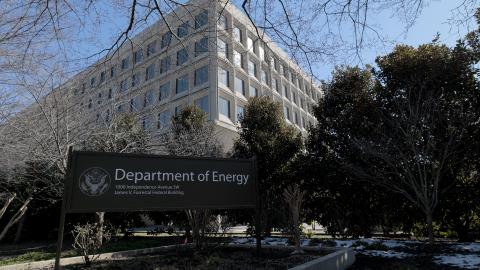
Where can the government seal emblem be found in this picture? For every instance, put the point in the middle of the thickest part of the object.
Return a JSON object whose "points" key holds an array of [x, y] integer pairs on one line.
{"points": [[94, 181]]}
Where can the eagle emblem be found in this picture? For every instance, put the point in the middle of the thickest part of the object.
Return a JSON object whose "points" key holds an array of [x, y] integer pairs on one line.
{"points": [[94, 181]]}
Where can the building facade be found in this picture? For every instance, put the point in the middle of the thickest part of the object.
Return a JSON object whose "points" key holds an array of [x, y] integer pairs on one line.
{"points": [[204, 53]]}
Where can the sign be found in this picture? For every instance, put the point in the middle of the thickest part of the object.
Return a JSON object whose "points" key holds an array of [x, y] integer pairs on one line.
{"points": [[104, 182]]}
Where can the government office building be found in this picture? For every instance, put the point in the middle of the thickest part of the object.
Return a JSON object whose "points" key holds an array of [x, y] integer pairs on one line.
{"points": [[207, 54]]}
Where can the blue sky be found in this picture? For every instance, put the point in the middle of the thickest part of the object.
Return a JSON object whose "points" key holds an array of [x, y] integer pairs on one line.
{"points": [[433, 19]]}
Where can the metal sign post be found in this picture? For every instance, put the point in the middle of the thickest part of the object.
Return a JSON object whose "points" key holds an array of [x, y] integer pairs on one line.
{"points": [[61, 226]]}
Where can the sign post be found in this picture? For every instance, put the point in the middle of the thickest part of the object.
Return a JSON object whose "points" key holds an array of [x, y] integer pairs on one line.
{"points": [[112, 182]]}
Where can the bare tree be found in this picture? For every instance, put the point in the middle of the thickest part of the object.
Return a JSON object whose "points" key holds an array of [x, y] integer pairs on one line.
{"points": [[120, 134], [191, 135]]}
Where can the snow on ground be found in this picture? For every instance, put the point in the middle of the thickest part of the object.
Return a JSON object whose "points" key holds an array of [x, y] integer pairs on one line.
{"points": [[470, 261], [386, 254], [269, 241], [387, 243], [470, 247]]}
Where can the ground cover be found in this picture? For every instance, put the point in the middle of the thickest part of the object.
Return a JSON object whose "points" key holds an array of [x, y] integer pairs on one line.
{"points": [[214, 258]]}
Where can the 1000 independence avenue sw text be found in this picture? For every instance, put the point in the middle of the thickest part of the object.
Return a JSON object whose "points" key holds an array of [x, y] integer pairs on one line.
{"points": [[207, 176]]}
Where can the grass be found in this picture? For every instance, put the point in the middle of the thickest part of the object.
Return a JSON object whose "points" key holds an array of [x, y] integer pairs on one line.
{"points": [[34, 256], [113, 246]]}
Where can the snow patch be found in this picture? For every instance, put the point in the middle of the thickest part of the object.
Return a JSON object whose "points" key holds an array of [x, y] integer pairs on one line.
{"points": [[471, 261], [471, 247], [386, 254]]}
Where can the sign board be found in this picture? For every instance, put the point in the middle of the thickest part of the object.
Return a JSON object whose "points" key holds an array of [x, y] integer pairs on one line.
{"points": [[105, 182]]}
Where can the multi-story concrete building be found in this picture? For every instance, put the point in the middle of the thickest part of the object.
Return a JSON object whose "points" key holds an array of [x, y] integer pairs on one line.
{"points": [[204, 53]]}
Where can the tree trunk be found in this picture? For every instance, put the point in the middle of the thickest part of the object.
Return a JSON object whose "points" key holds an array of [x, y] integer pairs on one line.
{"points": [[16, 217], [100, 222], [194, 219], [431, 240], [7, 203], [18, 234]]}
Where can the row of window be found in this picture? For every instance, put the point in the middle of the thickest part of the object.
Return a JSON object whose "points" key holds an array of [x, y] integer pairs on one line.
{"points": [[239, 86], [252, 69], [299, 121], [138, 56], [239, 36], [164, 91], [163, 118]]}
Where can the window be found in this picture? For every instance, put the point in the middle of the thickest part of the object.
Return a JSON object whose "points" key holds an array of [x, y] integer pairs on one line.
{"points": [[149, 98], [202, 103], [121, 108], [135, 104], [292, 78], [240, 112], [123, 85], [135, 80], [164, 64], [201, 19], [285, 72], [138, 56], [302, 123], [285, 91], [239, 86], [102, 77], [294, 98], [301, 103], [201, 46], [182, 84], [107, 116], [109, 93], [164, 92], [253, 91], [151, 48], [299, 83], [295, 117], [252, 68], [89, 103], [125, 63], [179, 109], [261, 53], [201, 75], [286, 112], [222, 22], [237, 34], [92, 82], [150, 72], [163, 119], [182, 56], [237, 58], [182, 30], [275, 64], [275, 84], [224, 106], [263, 77], [147, 122], [223, 77], [113, 72], [166, 39], [250, 44], [222, 48], [99, 101]]}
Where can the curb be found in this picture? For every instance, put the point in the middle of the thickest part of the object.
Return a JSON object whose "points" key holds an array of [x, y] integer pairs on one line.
{"points": [[339, 260]]}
